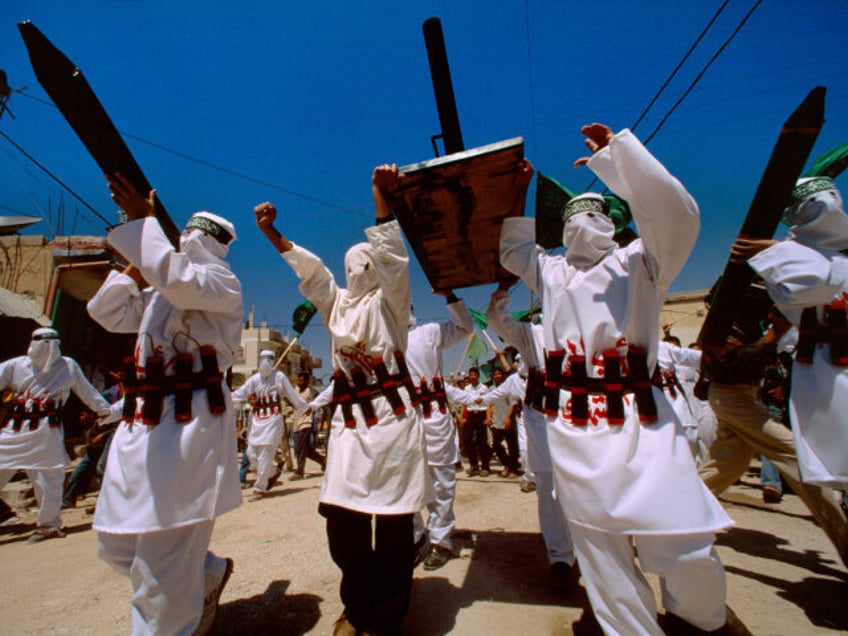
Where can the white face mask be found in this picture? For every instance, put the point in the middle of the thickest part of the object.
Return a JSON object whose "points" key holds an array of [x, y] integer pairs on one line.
{"points": [[819, 221], [266, 367], [201, 248], [360, 273], [588, 238], [43, 353]]}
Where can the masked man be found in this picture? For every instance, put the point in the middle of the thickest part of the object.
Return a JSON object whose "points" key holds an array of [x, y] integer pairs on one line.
{"points": [[622, 467], [31, 436], [806, 276], [525, 385], [424, 356], [376, 467], [265, 391], [172, 466]]}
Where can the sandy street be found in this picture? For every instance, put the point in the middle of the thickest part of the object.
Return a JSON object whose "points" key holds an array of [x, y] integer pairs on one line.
{"points": [[784, 577]]}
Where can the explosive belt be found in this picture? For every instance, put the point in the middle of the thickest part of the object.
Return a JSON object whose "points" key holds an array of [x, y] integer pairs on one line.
{"points": [[426, 397], [834, 331], [361, 392], [613, 386], [154, 385], [49, 409]]}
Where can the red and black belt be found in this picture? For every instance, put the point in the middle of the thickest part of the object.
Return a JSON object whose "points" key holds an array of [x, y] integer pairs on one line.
{"points": [[359, 391], [834, 331], [613, 386], [153, 386], [20, 414]]}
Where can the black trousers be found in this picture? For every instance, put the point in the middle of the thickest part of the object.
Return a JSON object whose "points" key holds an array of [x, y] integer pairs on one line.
{"points": [[304, 450], [474, 437], [509, 458], [376, 581]]}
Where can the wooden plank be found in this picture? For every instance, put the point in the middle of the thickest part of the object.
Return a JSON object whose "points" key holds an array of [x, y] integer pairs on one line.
{"points": [[451, 210]]}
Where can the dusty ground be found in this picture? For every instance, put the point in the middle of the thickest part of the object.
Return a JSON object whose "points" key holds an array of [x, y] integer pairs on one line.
{"points": [[783, 575]]}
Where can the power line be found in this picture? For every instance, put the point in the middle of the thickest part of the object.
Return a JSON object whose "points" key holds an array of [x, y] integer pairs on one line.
{"points": [[697, 77], [530, 73], [704, 70], [239, 175], [680, 64], [56, 179]]}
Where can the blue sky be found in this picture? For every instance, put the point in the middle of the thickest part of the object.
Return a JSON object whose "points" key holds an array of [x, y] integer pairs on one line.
{"points": [[228, 104]]}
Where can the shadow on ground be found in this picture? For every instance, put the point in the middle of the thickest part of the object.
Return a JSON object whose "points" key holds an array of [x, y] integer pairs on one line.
{"points": [[271, 613], [506, 567]]}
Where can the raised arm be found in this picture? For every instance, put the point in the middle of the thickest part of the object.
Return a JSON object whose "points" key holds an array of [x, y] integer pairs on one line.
{"points": [[657, 199]]}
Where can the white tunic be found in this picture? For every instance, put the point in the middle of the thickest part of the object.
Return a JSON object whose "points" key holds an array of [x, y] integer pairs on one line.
{"points": [[43, 446], [266, 423], [424, 358], [379, 469], [172, 474], [529, 340], [629, 478], [798, 276]]}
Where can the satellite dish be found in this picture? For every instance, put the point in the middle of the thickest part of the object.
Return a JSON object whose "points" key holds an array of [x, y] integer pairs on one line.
{"points": [[11, 224]]}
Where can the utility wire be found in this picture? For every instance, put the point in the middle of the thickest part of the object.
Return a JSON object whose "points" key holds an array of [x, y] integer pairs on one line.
{"points": [[697, 78], [680, 64], [228, 171], [56, 179], [530, 73], [704, 70]]}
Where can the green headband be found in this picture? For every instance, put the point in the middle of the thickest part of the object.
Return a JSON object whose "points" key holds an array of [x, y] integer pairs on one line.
{"points": [[578, 205], [208, 226], [809, 188]]}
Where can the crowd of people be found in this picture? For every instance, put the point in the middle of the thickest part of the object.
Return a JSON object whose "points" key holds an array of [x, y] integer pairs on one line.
{"points": [[625, 436]]}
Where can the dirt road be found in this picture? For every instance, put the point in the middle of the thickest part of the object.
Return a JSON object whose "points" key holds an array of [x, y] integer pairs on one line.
{"points": [[784, 577]]}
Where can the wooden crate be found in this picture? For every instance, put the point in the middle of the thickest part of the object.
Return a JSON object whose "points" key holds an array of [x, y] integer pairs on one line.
{"points": [[451, 209]]}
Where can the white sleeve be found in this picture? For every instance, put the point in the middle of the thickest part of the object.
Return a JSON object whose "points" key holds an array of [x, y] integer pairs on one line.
{"points": [[84, 391], [316, 281], [186, 285], [118, 305], [665, 214], [323, 399], [392, 261], [518, 250], [458, 327], [286, 388]]}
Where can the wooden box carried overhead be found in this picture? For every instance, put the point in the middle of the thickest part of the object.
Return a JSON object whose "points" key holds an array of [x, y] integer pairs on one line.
{"points": [[451, 209]]}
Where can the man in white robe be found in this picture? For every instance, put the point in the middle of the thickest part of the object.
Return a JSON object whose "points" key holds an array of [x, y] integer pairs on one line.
{"points": [[31, 436], [623, 472], [265, 390], [529, 340], [424, 357], [376, 465], [172, 466], [806, 276]]}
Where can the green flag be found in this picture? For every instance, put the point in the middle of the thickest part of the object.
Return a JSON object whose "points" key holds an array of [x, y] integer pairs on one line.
{"points": [[831, 163], [551, 196], [476, 349], [302, 315], [480, 318]]}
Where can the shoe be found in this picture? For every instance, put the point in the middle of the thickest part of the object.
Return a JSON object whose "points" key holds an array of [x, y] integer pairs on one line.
{"points": [[437, 557], [772, 494], [528, 486], [43, 533], [214, 586], [673, 625], [343, 627], [90, 510], [504, 473], [274, 479], [484, 473], [422, 548], [256, 496], [6, 513], [244, 485], [561, 576], [473, 471], [296, 477]]}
